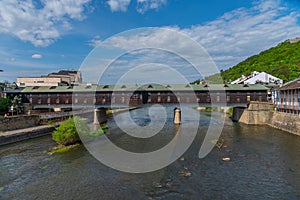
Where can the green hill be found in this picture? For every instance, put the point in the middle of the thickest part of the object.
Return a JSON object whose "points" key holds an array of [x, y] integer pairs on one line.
{"points": [[282, 61]]}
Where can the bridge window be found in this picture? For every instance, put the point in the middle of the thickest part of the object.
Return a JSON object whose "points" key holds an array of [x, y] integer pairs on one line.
{"points": [[228, 98], [208, 99], [248, 98]]}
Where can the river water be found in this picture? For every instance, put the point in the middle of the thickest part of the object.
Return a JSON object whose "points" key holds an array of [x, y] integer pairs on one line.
{"points": [[264, 164]]}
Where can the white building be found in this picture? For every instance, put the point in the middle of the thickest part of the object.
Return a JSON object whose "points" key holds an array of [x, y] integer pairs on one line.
{"points": [[258, 77]]}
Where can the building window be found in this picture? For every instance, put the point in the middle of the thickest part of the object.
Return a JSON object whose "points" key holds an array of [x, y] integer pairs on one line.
{"points": [[48, 100], [57, 101], [76, 100]]}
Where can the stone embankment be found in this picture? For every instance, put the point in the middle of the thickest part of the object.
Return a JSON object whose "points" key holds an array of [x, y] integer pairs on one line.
{"points": [[8, 137], [260, 113], [286, 121]]}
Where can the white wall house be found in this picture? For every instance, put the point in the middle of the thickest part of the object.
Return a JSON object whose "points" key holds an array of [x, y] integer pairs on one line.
{"points": [[263, 77], [258, 77]]}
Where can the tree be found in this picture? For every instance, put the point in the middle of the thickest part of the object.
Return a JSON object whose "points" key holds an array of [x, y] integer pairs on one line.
{"points": [[5, 103], [67, 132], [17, 105]]}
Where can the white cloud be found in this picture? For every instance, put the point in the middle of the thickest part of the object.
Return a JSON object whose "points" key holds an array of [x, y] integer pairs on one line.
{"points": [[142, 5], [36, 56], [243, 32], [41, 25], [229, 39], [118, 5], [96, 41]]}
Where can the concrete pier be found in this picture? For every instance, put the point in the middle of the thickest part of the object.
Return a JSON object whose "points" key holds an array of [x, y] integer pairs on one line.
{"points": [[100, 116], [177, 116]]}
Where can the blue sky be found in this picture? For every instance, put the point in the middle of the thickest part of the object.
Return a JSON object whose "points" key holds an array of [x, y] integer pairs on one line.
{"points": [[40, 37]]}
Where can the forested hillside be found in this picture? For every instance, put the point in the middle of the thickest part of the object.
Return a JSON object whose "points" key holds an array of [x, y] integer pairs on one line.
{"points": [[282, 61]]}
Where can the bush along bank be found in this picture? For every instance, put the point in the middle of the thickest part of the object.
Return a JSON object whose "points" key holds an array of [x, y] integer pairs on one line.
{"points": [[66, 134]]}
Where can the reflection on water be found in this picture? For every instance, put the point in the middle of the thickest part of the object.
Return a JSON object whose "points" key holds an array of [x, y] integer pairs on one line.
{"points": [[265, 164]]}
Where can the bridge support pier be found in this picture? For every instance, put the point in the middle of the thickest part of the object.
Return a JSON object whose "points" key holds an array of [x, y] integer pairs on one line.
{"points": [[100, 116], [177, 116]]}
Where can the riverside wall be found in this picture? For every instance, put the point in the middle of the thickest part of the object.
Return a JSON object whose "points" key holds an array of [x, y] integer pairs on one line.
{"points": [[262, 113], [257, 113], [18, 122], [286, 121]]}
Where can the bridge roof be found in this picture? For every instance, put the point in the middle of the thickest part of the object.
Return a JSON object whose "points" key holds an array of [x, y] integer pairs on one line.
{"points": [[148, 87]]}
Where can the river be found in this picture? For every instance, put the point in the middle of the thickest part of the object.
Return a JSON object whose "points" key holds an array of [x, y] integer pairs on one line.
{"points": [[264, 164]]}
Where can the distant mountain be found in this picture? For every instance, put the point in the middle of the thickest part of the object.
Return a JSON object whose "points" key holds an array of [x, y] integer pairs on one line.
{"points": [[282, 61]]}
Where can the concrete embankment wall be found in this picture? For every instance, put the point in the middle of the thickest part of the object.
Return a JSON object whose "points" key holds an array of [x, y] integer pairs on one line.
{"points": [[257, 113], [25, 135], [286, 121], [19, 122]]}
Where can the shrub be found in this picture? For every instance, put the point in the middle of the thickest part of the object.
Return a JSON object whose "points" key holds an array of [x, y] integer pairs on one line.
{"points": [[67, 132], [102, 130]]}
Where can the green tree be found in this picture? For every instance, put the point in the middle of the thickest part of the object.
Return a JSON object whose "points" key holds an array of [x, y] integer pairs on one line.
{"points": [[5, 103], [282, 61], [67, 132]]}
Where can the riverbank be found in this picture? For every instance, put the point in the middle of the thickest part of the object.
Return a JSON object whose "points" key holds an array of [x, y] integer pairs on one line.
{"points": [[21, 134], [8, 137], [262, 113]]}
